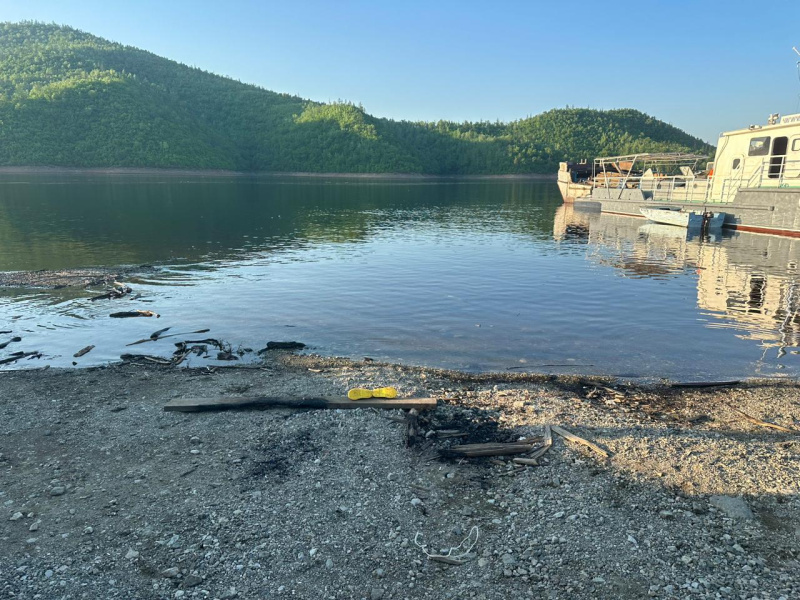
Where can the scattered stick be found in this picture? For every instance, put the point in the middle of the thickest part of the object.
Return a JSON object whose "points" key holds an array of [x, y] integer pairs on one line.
{"points": [[14, 339], [319, 402], [579, 440], [113, 293], [134, 313], [20, 355], [137, 357], [83, 351], [761, 423], [531, 459], [157, 334], [282, 346], [163, 337]]}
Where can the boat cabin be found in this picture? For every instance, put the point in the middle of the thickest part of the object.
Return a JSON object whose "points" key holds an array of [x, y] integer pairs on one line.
{"points": [[761, 156]]}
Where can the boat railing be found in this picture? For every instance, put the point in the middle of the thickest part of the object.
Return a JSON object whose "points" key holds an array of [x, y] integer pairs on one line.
{"points": [[776, 172], [773, 173], [664, 188]]}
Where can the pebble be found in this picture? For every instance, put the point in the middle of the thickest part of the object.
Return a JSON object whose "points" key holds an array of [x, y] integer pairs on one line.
{"points": [[482, 562], [376, 594], [131, 554], [16, 516], [733, 506], [192, 580], [379, 573], [329, 563], [34, 526], [416, 502], [170, 573], [58, 491], [312, 552]]}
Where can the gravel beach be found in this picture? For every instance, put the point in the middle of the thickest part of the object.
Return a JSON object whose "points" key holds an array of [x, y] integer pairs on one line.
{"points": [[105, 495]]}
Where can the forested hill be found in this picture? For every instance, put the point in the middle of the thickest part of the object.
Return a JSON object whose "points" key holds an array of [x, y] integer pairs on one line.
{"points": [[68, 98]]}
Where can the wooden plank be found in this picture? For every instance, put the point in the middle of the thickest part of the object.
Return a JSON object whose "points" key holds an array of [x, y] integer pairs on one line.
{"points": [[321, 402], [579, 440]]}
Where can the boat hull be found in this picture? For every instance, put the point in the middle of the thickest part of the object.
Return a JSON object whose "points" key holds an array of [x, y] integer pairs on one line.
{"points": [[684, 218], [570, 190], [772, 211]]}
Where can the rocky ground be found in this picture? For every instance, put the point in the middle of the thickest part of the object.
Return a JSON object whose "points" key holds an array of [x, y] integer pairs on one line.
{"points": [[105, 495]]}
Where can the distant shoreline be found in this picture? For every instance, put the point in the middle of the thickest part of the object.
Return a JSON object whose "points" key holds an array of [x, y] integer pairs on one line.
{"points": [[224, 173]]}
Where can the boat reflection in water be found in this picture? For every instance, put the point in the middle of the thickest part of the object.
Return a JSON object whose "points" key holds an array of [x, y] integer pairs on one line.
{"points": [[747, 282]]}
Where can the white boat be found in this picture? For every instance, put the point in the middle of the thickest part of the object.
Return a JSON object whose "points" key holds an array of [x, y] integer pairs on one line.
{"points": [[691, 219]]}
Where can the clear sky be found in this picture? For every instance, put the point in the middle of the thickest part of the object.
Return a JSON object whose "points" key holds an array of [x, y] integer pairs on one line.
{"points": [[705, 66]]}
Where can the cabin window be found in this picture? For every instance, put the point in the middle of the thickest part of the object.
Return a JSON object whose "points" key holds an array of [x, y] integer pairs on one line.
{"points": [[795, 144], [736, 163], [759, 146]]}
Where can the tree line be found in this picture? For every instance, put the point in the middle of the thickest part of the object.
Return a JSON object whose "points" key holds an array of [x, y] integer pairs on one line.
{"points": [[68, 98]]}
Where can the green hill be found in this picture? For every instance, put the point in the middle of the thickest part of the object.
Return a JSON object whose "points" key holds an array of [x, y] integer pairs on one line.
{"points": [[68, 98]]}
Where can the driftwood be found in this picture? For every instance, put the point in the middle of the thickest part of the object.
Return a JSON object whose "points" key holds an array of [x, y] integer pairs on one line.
{"points": [[113, 293], [282, 346], [210, 341], [705, 384], [137, 357], [134, 313], [761, 423], [20, 355], [157, 334], [163, 337], [14, 339], [579, 440], [531, 459], [321, 402], [83, 351]]}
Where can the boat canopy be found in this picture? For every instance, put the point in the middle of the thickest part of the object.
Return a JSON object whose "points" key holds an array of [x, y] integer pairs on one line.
{"points": [[661, 157]]}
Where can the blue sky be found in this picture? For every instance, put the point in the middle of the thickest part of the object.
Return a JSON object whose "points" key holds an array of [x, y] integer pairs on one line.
{"points": [[703, 66]]}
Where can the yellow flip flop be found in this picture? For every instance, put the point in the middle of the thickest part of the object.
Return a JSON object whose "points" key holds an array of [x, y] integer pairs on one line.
{"points": [[384, 392], [359, 394], [363, 393]]}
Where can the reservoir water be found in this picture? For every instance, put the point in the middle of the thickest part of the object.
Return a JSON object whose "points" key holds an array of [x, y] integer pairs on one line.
{"points": [[476, 275]]}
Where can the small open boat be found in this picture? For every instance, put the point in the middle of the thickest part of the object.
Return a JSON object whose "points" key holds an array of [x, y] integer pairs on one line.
{"points": [[691, 219]]}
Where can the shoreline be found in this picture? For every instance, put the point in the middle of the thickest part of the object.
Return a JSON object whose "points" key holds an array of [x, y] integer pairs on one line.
{"points": [[107, 495], [42, 170]]}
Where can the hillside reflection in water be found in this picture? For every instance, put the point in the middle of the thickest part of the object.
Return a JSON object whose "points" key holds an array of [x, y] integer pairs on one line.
{"points": [[477, 275]]}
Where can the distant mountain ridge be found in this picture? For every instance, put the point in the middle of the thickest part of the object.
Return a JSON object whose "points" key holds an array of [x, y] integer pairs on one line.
{"points": [[71, 99]]}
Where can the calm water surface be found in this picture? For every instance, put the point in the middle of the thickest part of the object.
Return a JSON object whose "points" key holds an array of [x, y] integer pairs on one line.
{"points": [[463, 274]]}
